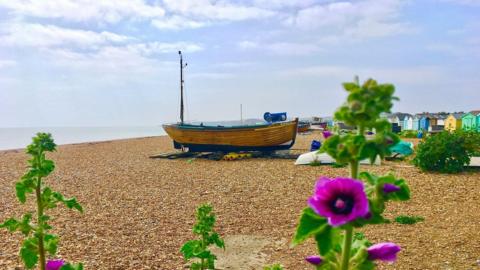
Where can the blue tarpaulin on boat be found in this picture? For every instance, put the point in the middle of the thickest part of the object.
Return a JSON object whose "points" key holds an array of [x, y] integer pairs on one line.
{"points": [[275, 117]]}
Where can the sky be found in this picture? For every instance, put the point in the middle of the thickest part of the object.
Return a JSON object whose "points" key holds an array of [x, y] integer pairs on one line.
{"points": [[115, 62]]}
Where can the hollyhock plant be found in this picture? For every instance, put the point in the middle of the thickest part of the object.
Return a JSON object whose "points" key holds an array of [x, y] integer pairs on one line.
{"points": [[39, 242], [384, 252], [340, 200], [341, 204]]}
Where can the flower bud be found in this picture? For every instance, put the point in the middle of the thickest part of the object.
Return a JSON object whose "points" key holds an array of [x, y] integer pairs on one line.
{"points": [[314, 259]]}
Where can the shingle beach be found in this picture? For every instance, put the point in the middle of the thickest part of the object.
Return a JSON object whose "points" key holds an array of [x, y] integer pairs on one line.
{"points": [[139, 211]]}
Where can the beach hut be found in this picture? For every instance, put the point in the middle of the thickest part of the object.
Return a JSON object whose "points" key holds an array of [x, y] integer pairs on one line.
{"points": [[408, 122], [441, 119], [453, 122], [416, 122], [424, 123], [401, 120], [437, 122], [470, 121], [393, 119]]}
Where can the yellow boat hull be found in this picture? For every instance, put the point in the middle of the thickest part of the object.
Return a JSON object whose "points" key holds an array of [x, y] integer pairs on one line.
{"points": [[248, 138]]}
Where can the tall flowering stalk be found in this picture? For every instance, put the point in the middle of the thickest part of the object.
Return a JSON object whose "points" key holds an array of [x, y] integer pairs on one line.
{"points": [[39, 242], [340, 205]]}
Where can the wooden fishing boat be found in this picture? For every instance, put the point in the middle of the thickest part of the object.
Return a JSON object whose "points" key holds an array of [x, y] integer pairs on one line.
{"points": [[303, 127], [205, 138], [265, 137]]}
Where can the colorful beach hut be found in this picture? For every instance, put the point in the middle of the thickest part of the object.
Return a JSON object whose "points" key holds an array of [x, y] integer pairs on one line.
{"points": [[470, 121], [424, 123], [453, 122], [408, 122], [401, 120], [416, 122]]}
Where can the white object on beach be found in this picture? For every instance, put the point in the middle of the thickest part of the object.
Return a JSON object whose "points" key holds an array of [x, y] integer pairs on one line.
{"points": [[474, 162], [324, 158]]}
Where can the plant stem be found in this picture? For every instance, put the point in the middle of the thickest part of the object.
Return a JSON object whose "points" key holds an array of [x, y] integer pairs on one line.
{"points": [[354, 169], [347, 246], [347, 243], [203, 248], [41, 248]]}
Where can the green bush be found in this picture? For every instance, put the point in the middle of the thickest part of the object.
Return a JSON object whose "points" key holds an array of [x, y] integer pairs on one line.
{"points": [[409, 134], [447, 152], [408, 220]]}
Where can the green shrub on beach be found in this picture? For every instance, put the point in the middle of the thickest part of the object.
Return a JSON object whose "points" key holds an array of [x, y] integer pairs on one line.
{"points": [[447, 152], [408, 220], [409, 134], [198, 248], [274, 267]]}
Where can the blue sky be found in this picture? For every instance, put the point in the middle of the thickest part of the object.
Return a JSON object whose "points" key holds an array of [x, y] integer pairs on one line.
{"points": [[115, 62]]}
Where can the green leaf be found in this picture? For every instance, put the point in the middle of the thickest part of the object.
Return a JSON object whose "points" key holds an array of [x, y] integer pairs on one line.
{"points": [[11, 224], [25, 227], [273, 267], [327, 239], [29, 252], [402, 219], [310, 224], [47, 166], [191, 248], [215, 239], [21, 192], [69, 203], [72, 267], [51, 243]]}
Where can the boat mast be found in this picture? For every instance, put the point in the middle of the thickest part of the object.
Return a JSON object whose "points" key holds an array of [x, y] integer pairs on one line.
{"points": [[181, 86]]}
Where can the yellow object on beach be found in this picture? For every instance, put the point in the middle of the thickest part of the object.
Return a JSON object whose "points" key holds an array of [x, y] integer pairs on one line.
{"points": [[236, 156]]}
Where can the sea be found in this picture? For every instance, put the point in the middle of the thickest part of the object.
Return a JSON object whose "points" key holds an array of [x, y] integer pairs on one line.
{"points": [[15, 138]]}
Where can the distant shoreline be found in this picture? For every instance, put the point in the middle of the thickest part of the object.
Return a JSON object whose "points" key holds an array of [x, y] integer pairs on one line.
{"points": [[17, 150], [19, 138]]}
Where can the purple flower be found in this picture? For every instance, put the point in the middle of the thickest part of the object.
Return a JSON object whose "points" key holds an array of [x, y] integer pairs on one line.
{"points": [[54, 264], [340, 200], [389, 188], [314, 259], [326, 134], [384, 252]]}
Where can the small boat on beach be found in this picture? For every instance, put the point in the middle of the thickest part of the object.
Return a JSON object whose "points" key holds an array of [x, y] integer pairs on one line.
{"points": [[303, 127], [267, 136], [261, 137]]}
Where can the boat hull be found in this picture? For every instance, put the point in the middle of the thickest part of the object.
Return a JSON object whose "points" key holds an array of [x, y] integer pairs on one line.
{"points": [[277, 136]]}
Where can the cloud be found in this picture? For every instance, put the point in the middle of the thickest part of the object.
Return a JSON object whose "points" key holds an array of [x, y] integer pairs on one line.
{"points": [[38, 35], [151, 48], [358, 19], [107, 60], [413, 75], [177, 23], [281, 48], [463, 2], [246, 44], [216, 10], [278, 4], [107, 11]]}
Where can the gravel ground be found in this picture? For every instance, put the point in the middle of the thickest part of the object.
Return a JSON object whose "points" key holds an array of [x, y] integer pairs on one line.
{"points": [[139, 211]]}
